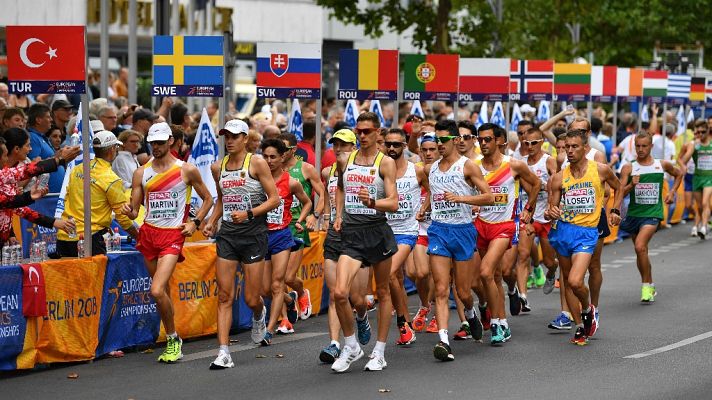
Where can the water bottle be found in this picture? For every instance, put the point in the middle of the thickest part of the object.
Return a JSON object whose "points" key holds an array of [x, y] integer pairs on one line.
{"points": [[108, 242], [80, 246], [43, 251], [16, 254], [33, 252], [75, 139], [116, 240], [43, 180], [6, 255], [73, 233]]}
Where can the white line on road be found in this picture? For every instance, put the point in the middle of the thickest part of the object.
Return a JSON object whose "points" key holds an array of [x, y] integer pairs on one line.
{"points": [[673, 346], [243, 347]]}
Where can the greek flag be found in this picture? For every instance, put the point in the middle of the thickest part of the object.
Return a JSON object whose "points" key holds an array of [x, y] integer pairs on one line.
{"points": [[204, 153], [417, 109], [77, 161], [498, 115], [544, 111], [376, 108], [296, 123], [516, 117], [482, 116], [351, 113]]}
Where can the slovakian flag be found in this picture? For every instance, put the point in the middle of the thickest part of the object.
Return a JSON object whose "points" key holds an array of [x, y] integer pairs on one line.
{"points": [[603, 83], [289, 70], [629, 84], [533, 80], [46, 59], [572, 82], [655, 85], [679, 89], [368, 74], [697, 90], [34, 296], [431, 77], [484, 79]]}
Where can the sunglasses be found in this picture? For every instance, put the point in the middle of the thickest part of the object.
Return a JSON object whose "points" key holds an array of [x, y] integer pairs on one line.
{"points": [[467, 137], [365, 131], [532, 142], [444, 139], [396, 145], [158, 142], [485, 139]]}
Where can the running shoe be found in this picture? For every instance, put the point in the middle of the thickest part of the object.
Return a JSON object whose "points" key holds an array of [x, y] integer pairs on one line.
{"points": [[376, 363], [485, 317], [442, 352], [222, 361], [702, 232], [305, 306], [329, 354], [549, 283], [589, 322], [173, 352], [507, 333], [648, 294], [525, 304], [531, 282], [539, 278], [463, 333], [497, 335], [693, 232], [285, 328], [597, 318], [561, 322], [515, 306], [347, 356], [476, 328], [267, 339], [370, 303], [420, 319], [292, 313], [407, 336], [580, 337], [432, 326], [363, 331], [259, 327]]}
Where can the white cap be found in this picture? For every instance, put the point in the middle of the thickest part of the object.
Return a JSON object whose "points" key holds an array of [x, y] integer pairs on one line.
{"points": [[158, 132], [104, 139], [96, 125], [235, 126], [526, 108]]}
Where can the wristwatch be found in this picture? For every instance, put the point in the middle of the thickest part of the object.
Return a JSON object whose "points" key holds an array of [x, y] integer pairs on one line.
{"points": [[250, 216], [196, 221], [528, 207]]}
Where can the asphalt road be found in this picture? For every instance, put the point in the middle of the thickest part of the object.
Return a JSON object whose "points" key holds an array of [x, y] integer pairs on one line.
{"points": [[537, 363]]}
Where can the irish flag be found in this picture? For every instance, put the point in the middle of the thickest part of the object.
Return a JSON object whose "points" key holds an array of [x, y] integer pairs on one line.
{"points": [[629, 84]]}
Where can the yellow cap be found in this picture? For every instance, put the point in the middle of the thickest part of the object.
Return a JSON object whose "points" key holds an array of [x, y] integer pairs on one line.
{"points": [[345, 135]]}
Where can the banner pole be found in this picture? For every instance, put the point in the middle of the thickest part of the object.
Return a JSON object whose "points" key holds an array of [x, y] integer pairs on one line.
{"points": [[85, 160], [614, 138], [663, 134], [133, 52], [221, 105]]}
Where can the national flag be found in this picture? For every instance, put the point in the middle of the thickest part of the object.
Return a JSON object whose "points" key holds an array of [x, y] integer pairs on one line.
{"points": [[603, 82], [532, 77], [697, 89], [655, 83], [351, 113], [482, 116], [516, 117], [188, 60], [679, 88], [204, 153], [482, 78], [417, 109], [296, 123], [77, 160], [544, 112], [572, 79], [365, 74], [644, 113], [376, 108], [681, 121], [292, 68], [434, 76], [497, 117], [34, 295], [45, 53], [629, 83]]}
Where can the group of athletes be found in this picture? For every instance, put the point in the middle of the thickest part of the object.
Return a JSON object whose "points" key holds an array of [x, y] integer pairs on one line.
{"points": [[464, 218]]}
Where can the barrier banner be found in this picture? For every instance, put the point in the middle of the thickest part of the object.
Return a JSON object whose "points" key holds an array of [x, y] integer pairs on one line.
{"points": [[194, 292], [12, 322], [128, 315], [312, 269], [30, 231], [70, 331]]}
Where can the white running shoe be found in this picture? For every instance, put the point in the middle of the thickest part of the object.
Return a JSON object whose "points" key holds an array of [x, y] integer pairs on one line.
{"points": [[376, 363], [693, 232], [347, 356], [222, 361], [259, 328], [702, 232]]}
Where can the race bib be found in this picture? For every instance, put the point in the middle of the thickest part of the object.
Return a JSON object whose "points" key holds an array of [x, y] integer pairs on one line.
{"points": [[295, 203], [442, 210], [406, 208], [163, 205], [276, 216], [353, 204], [501, 200], [235, 202], [704, 162], [580, 201], [647, 193]]}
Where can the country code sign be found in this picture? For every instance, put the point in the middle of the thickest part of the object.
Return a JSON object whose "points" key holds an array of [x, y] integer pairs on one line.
{"points": [[190, 66], [46, 59], [431, 77], [368, 74], [289, 70]]}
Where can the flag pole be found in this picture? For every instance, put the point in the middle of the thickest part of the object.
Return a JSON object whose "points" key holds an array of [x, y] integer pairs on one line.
{"points": [[662, 130], [221, 105], [133, 52], [85, 159], [614, 138]]}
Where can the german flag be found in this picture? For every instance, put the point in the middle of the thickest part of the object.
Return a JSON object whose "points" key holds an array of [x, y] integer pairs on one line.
{"points": [[697, 89]]}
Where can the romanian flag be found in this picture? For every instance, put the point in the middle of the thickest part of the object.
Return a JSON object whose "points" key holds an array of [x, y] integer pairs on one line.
{"points": [[432, 74], [572, 79], [368, 69], [603, 82], [188, 60], [697, 89], [655, 83]]}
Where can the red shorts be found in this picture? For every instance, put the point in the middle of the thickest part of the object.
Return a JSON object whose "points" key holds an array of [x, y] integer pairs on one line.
{"points": [[541, 229], [157, 242], [422, 240], [487, 232]]}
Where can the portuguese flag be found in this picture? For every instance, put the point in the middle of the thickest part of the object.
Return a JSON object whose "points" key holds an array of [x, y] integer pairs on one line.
{"points": [[433, 73], [573, 79]]}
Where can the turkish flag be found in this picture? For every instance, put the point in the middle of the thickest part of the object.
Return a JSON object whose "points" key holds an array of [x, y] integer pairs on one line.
{"points": [[34, 296], [46, 53]]}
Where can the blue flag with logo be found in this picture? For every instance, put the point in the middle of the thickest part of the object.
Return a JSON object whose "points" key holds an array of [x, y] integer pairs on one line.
{"points": [[351, 113], [497, 117], [417, 109], [544, 111], [376, 108], [205, 152], [482, 116], [516, 117], [296, 123]]}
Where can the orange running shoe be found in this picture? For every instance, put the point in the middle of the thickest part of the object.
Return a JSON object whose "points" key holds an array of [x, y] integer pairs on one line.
{"points": [[285, 327], [432, 326], [420, 319]]}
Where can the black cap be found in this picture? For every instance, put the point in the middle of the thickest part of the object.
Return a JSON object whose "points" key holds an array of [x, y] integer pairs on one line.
{"points": [[144, 113], [61, 103]]}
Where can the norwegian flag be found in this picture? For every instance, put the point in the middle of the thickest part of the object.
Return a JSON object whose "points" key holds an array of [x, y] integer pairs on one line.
{"points": [[532, 77]]}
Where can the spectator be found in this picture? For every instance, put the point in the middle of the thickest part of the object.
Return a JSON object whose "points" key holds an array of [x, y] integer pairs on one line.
{"points": [[14, 117], [305, 148], [335, 115], [668, 152], [55, 137], [39, 122], [143, 118], [177, 148], [61, 113], [96, 105], [107, 195], [126, 161], [107, 116], [596, 126], [5, 92], [180, 116], [254, 139], [271, 132], [605, 137]]}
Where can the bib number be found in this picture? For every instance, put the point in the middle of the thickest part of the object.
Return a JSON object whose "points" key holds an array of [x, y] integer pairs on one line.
{"points": [[235, 202], [647, 193], [276, 216], [580, 201], [704, 162], [444, 210], [163, 205], [353, 204]]}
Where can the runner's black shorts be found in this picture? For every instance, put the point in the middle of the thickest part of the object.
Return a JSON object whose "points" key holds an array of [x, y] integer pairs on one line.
{"points": [[369, 244], [243, 248]]}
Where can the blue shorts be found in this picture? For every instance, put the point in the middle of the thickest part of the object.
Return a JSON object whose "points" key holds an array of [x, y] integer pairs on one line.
{"points": [[406, 239], [279, 241], [453, 241], [688, 182], [515, 238], [632, 224], [568, 239], [603, 229]]}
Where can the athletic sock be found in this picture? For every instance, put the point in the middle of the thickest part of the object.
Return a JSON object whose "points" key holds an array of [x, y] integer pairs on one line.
{"points": [[469, 314], [443, 336], [336, 343], [646, 285], [173, 335], [351, 342], [568, 315], [494, 321], [579, 325], [483, 305], [504, 323], [224, 349], [522, 295], [400, 320], [588, 310], [379, 348]]}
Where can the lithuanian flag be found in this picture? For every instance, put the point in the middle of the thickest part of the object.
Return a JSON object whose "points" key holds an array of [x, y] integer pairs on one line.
{"points": [[572, 79]]}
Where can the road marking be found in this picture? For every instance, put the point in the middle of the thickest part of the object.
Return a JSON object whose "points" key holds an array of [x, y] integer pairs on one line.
{"points": [[673, 346], [235, 348]]}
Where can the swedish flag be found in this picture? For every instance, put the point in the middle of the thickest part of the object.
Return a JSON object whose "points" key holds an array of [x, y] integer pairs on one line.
{"points": [[188, 60]]}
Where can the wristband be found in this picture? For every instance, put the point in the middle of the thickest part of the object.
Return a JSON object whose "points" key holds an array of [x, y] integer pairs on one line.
{"points": [[615, 211], [250, 216], [529, 207]]}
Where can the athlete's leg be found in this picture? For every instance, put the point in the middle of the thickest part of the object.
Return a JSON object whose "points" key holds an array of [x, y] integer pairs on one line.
{"points": [[640, 241], [422, 274], [382, 274], [491, 260], [225, 275], [705, 205], [291, 278], [509, 263], [524, 260], [440, 267], [395, 282], [579, 266], [330, 276], [569, 296], [346, 270], [162, 270], [595, 276], [275, 285]]}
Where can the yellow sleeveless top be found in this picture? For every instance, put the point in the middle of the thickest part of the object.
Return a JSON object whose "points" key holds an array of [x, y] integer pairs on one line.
{"points": [[582, 198]]}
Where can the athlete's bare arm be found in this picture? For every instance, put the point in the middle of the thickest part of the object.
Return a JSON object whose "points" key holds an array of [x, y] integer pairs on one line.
{"points": [[193, 178], [474, 178], [678, 173], [390, 202], [553, 212], [341, 162], [326, 200], [212, 223], [531, 185], [609, 178], [296, 188], [424, 183], [626, 186], [131, 208], [686, 154], [312, 175], [260, 170]]}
